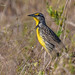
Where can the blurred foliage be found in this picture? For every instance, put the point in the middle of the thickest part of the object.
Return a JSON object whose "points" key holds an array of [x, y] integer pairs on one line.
{"points": [[71, 67], [57, 17], [35, 64], [41, 73], [59, 32], [56, 14]]}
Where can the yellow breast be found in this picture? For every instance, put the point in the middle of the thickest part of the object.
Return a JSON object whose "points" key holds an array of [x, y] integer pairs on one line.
{"points": [[40, 39]]}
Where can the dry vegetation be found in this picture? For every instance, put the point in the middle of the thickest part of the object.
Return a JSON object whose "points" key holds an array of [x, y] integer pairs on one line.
{"points": [[20, 52]]}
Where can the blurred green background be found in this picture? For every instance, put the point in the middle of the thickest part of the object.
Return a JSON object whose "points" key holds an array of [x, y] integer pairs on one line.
{"points": [[20, 51]]}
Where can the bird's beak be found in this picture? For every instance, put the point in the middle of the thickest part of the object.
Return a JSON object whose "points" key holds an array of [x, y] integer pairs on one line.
{"points": [[32, 15], [35, 18]]}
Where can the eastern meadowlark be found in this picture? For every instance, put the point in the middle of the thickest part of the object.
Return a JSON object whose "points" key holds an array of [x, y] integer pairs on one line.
{"points": [[47, 38]]}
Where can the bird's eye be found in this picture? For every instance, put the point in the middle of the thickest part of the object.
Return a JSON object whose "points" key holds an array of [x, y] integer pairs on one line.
{"points": [[38, 15]]}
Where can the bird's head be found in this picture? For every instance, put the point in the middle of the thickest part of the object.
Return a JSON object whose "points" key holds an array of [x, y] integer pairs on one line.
{"points": [[38, 17]]}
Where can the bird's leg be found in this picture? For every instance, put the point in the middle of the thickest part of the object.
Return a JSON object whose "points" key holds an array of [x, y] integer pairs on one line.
{"points": [[49, 61], [56, 55], [54, 61], [49, 64]]}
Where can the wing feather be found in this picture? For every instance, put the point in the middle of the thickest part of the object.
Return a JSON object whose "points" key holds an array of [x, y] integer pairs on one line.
{"points": [[50, 38]]}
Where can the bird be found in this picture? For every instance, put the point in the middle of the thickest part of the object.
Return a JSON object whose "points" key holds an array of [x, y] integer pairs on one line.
{"points": [[46, 36]]}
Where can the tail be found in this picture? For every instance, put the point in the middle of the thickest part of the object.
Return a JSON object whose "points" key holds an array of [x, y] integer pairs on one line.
{"points": [[58, 50], [62, 46]]}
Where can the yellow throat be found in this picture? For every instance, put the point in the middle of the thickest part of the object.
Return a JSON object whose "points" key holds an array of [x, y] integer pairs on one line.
{"points": [[36, 20]]}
